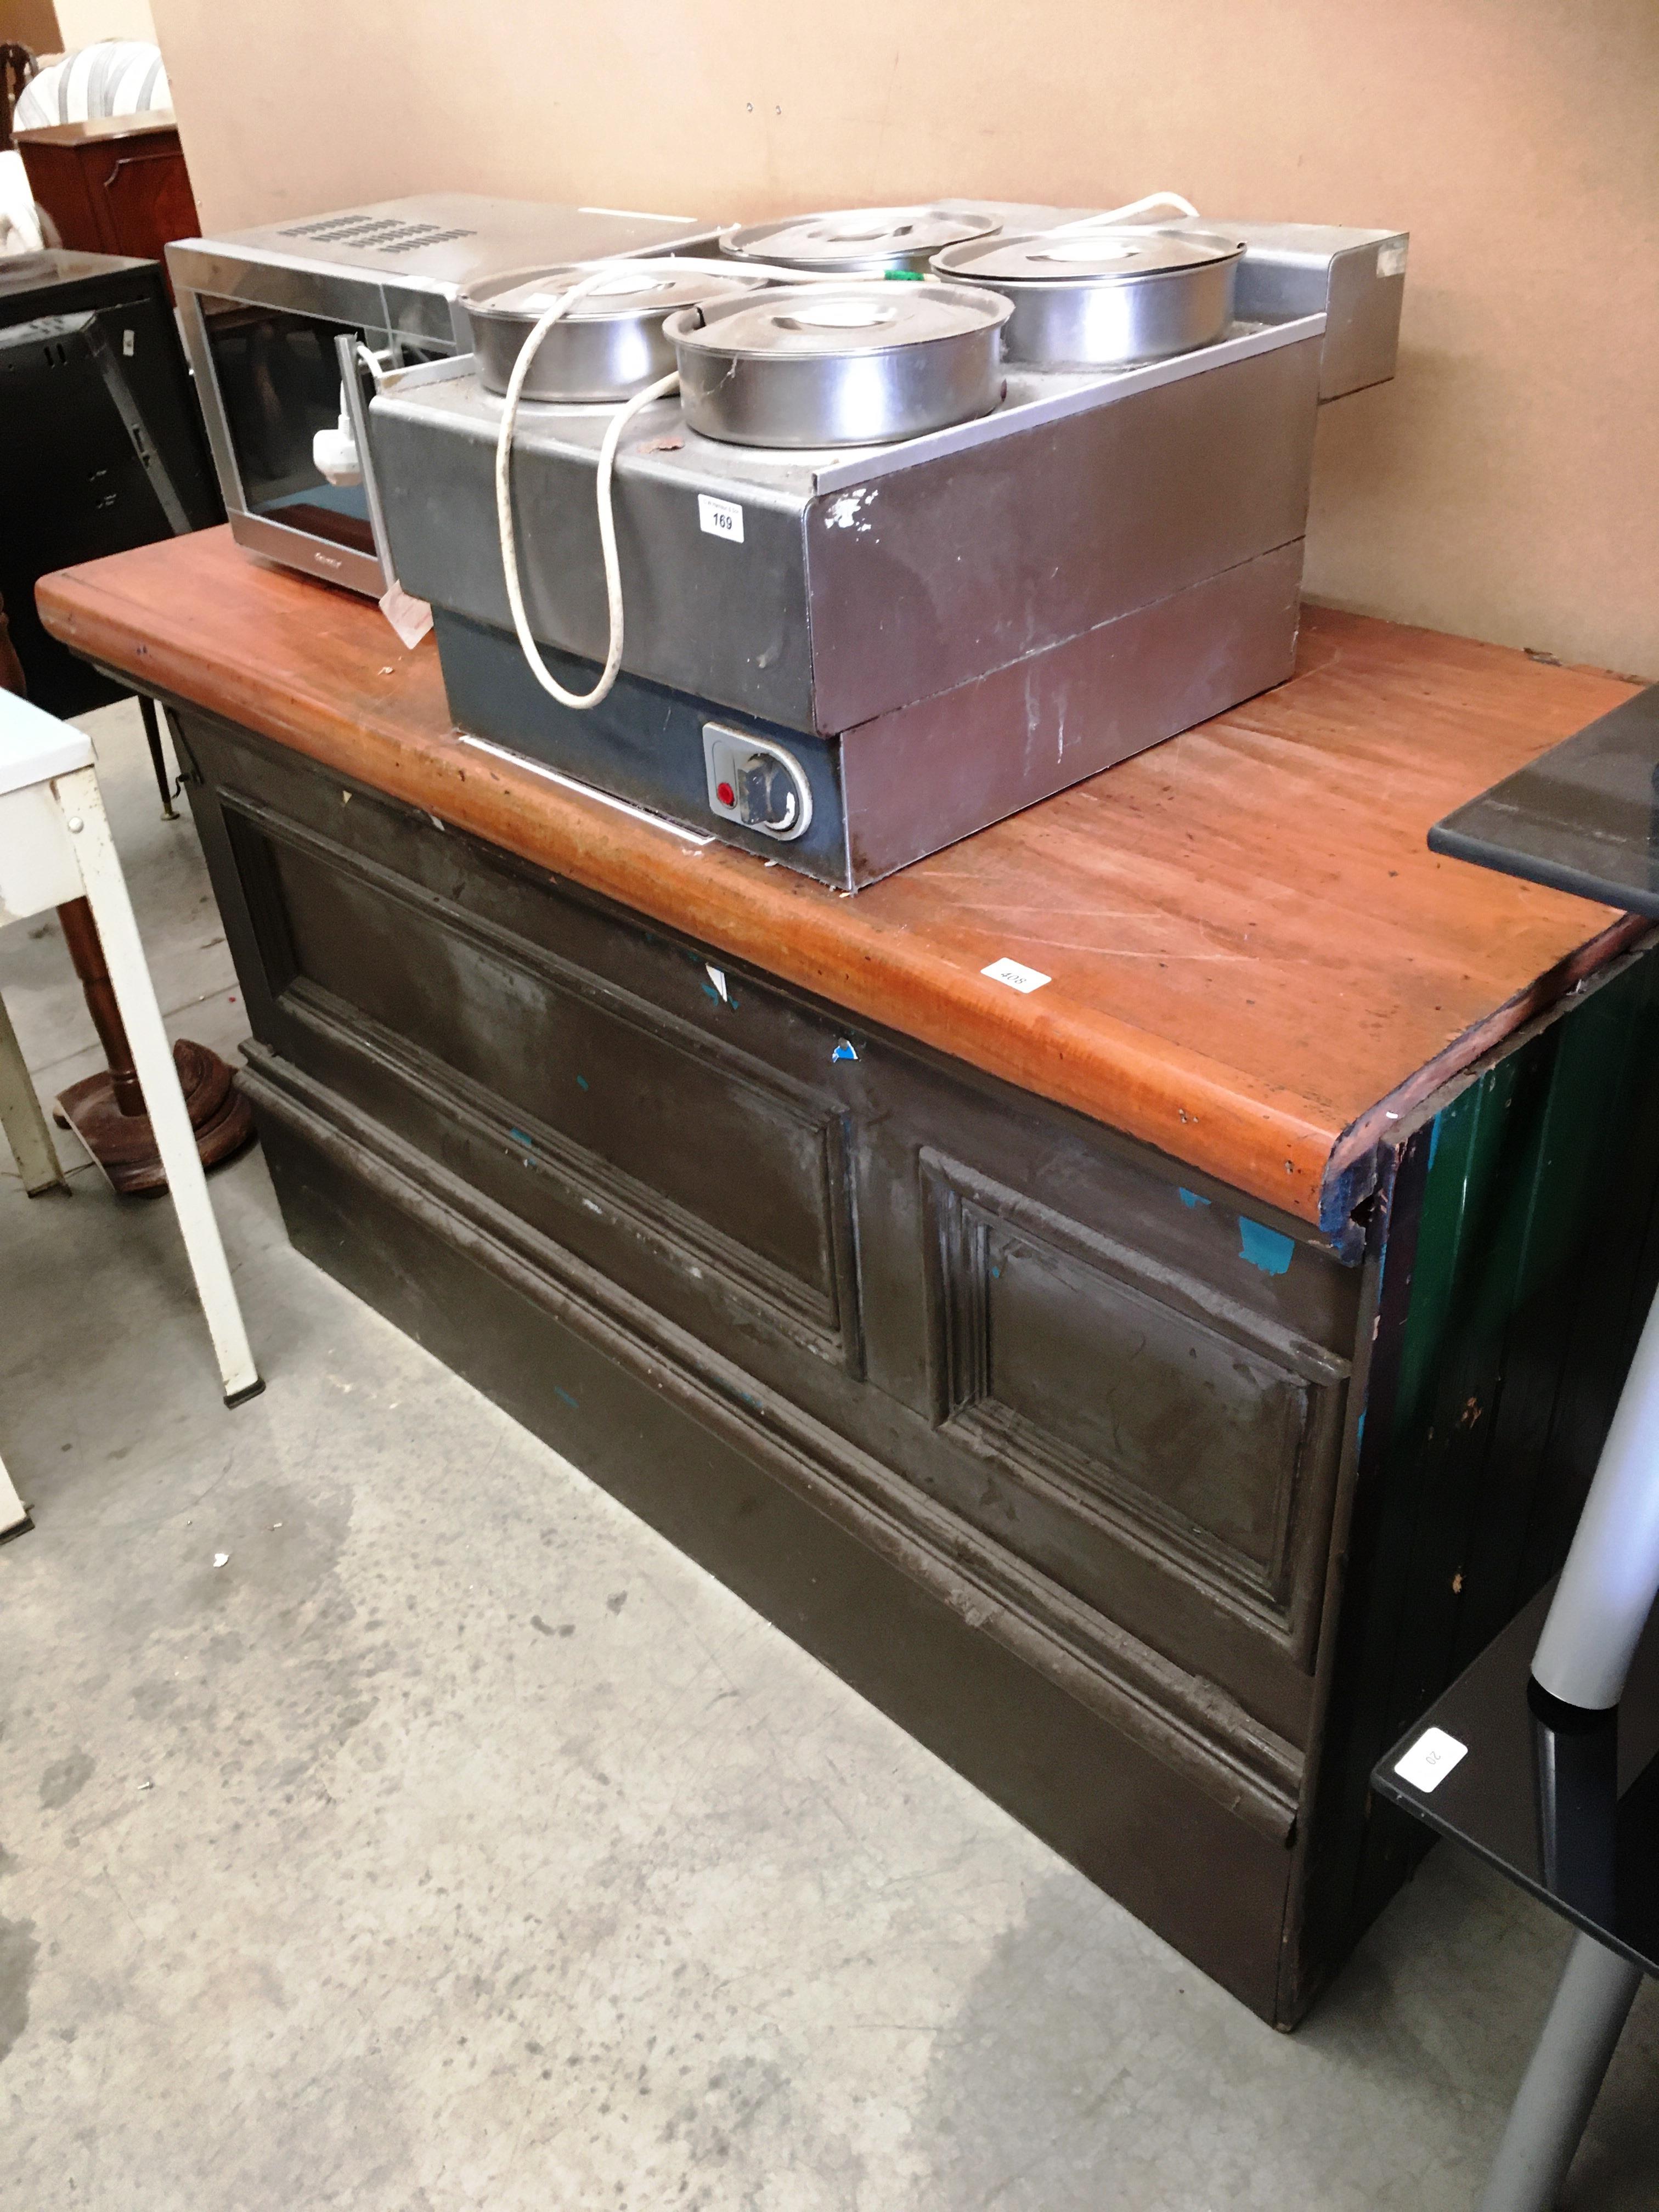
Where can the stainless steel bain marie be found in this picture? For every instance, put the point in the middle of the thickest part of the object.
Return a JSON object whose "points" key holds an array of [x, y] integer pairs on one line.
{"points": [[1104, 298], [844, 658], [853, 364], [607, 345]]}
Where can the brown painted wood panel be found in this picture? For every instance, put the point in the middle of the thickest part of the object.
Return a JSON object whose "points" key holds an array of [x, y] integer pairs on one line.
{"points": [[116, 184], [362, 975], [745, 1181], [1257, 962], [1145, 1406]]}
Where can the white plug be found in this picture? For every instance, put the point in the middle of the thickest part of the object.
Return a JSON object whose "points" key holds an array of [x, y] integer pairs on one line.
{"points": [[334, 453]]}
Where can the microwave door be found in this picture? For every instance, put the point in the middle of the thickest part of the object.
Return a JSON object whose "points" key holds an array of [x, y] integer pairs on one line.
{"points": [[357, 385], [277, 374]]}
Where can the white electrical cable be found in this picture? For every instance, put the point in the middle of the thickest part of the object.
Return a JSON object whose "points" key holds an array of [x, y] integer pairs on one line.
{"points": [[1115, 216], [601, 274], [619, 421]]}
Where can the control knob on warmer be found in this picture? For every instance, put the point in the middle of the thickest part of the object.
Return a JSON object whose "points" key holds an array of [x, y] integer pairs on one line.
{"points": [[767, 795], [756, 782]]}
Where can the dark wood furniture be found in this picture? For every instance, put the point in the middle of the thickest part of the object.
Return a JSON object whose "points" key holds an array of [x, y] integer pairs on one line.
{"points": [[1148, 1389], [77, 481], [17, 66], [116, 184]]}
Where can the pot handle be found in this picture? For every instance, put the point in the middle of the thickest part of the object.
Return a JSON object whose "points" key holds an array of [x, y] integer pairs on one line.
{"points": [[1112, 216]]}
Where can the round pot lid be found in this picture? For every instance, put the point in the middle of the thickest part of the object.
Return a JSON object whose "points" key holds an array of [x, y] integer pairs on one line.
{"points": [[637, 289], [1086, 257], [857, 235], [842, 320]]}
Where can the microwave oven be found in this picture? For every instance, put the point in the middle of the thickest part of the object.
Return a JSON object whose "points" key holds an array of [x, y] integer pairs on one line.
{"points": [[262, 313]]}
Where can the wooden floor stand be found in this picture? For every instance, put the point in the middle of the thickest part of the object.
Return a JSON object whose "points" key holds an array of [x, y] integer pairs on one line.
{"points": [[106, 1110]]}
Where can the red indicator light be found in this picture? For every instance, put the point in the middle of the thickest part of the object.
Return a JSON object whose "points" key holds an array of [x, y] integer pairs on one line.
{"points": [[726, 795]]}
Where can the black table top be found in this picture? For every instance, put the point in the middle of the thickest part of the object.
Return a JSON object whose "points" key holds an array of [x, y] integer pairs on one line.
{"points": [[1570, 1812], [1583, 817]]}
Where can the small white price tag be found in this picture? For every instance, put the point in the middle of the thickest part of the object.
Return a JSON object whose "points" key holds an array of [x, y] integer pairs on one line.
{"points": [[1016, 977], [720, 518], [1430, 1760], [411, 618], [128, 338], [1391, 259]]}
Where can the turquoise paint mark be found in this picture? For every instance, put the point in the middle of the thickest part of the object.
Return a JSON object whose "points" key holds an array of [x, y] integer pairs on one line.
{"points": [[581, 1083], [1359, 1430], [1264, 1247], [1434, 1137], [843, 1051], [566, 1396], [520, 1137], [709, 992], [1191, 1198]]}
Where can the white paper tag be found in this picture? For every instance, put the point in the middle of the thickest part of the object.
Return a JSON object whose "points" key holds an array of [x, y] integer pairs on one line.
{"points": [[1430, 1760], [720, 518], [1391, 259], [411, 618], [128, 339], [1016, 977]]}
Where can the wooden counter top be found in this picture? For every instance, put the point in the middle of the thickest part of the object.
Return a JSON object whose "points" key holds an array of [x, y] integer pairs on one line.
{"points": [[1257, 962]]}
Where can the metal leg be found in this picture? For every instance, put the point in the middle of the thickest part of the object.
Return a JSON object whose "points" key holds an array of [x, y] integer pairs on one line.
{"points": [[13, 1513], [1585, 2021], [158, 759], [1608, 1585], [106, 891], [25, 1126]]}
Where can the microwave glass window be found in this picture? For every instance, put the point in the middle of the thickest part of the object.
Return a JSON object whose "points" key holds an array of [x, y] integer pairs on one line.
{"points": [[279, 382]]}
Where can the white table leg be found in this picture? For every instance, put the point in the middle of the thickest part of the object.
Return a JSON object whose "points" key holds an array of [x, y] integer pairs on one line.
{"points": [[1585, 2021], [24, 1123], [106, 892], [13, 1513]]}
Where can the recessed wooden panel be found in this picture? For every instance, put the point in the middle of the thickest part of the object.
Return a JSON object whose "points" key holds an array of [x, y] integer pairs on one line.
{"points": [[562, 1075], [1164, 1415], [1201, 1428]]}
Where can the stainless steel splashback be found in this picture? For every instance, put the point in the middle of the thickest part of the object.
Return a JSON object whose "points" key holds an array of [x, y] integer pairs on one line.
{"points": [[1355, 278]]}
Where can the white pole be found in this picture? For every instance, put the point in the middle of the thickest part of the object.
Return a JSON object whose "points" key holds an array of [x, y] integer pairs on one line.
{"points": [[1606, 1589]]}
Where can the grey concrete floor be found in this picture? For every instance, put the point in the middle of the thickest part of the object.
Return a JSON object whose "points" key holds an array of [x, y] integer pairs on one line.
{"points": [[456, 1843]]}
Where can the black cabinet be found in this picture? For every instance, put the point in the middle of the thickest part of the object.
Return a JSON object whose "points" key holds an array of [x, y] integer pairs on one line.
{"points": [[101, 442]]}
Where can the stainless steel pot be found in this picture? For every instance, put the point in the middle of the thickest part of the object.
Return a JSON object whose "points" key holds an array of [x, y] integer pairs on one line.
{"points": [[1103, 299], [607, 346], [860, 241], [854, 364]]}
